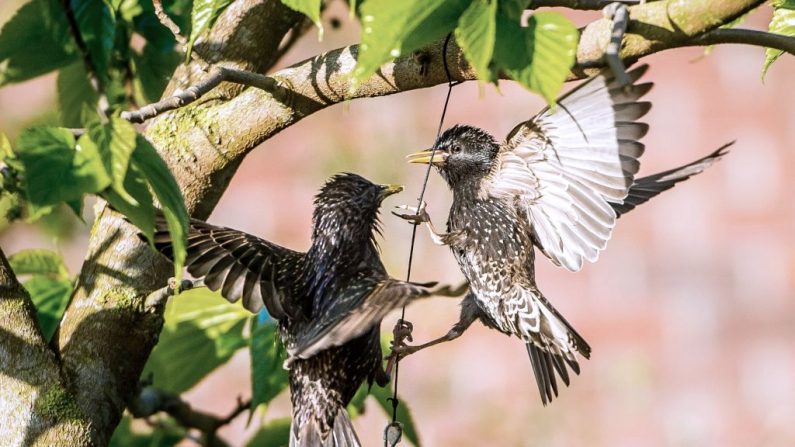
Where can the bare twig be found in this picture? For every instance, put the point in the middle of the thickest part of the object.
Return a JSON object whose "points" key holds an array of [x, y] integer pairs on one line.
{"points": [[150, 401], [191, 94], [744, 36], [591, 5], [91, 68], [158, 298], [168, 23]]}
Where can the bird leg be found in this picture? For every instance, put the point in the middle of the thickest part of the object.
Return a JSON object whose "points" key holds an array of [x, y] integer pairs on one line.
{"points": [[618, 13], [400, 349], [419, 216], [401, 332]]}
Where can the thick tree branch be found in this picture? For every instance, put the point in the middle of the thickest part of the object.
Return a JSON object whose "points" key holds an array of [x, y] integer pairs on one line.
{"points": [[37, 408]]}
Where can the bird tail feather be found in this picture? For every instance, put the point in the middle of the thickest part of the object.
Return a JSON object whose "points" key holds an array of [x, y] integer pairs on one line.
{"points": [[341, 434], [551, 349]]}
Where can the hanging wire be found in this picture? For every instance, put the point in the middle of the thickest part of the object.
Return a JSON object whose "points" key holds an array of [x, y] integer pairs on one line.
{"points": [[393, 432]]}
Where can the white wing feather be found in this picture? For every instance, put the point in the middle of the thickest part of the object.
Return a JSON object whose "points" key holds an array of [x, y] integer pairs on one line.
{"points": [[564, 167]]}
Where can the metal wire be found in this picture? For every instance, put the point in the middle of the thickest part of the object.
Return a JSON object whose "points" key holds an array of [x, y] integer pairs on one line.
{"points": [[450, 85]]}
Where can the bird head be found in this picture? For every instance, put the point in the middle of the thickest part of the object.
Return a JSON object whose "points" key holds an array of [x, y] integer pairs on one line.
{"points": [[463, 154], [346, 209]]}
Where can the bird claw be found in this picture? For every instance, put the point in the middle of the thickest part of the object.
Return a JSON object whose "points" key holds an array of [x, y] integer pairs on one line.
{"points": [[413, 215], [401, 332]]}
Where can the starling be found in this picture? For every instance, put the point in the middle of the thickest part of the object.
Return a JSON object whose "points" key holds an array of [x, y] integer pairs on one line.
{"points": [[329, 301], [558, 183]]}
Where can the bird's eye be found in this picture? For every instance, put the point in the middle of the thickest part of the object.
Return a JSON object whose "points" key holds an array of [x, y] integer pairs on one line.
{"points": [[456, 150]]}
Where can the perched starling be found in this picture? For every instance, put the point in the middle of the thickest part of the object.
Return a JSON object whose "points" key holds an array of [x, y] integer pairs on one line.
{"points": [[558, 183], [329, 301]]}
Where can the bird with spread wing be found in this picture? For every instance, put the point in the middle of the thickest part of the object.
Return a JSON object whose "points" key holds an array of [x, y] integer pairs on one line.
{"points": [[329, 301], [558, 183]]}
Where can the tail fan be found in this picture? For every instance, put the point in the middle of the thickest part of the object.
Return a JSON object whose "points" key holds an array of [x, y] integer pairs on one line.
{"points": [[552, 350], [341, 434]]}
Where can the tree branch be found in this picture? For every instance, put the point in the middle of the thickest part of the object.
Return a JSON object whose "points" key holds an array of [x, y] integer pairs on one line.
{"points": [[33, 398], [591, 5], [214, 78], [745, 36], [151, 401]]}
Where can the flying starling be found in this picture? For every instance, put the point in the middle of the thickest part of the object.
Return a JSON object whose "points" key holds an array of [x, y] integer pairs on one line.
{"points": [[329, 301], [558, 183]]}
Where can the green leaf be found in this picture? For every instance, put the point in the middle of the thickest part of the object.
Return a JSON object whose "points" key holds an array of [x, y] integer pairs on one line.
{"points": [[392, 28], [783, 23], [50, 297], [202, 331], [539, 56], [356, 405], [35, 41], [140, 211], [153, 69], [116, 140], [275, 433], [74, 93], [51, 157], [165, 187], [311, 9], [268, 377], [382, 396], [39, 262], [97, 28], [476, 34], [204, 14]]}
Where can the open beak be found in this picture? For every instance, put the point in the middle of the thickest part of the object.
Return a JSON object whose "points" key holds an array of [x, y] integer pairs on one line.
{"points": [[388, 190], [436, 158]]}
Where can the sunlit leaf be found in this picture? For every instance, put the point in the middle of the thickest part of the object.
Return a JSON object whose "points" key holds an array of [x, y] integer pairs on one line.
{"points": [[52, 157], [311, 9], [35, 41], [476, 34], [275, 433], [202, 331], [165, 187], [203, 15], [141, 211], [538, 56], [783, 23], [268, 377], [115, 139], [393, 28]]}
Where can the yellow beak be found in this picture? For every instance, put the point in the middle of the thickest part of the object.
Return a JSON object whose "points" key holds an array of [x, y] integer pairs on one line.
{"points": [[391, 189], [437, 157]]}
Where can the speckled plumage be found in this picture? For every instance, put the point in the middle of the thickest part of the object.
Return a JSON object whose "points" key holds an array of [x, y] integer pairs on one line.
{"points": [[557, 183], [329, 301]]}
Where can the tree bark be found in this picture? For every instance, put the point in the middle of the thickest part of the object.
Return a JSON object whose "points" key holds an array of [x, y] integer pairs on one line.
{"points": [[36, 407], [107, 334]]}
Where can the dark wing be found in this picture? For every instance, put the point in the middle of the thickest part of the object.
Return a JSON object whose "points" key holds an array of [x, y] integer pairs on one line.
{"points": [[362, 306], [562, 168], [647, 187], [238, 264]]}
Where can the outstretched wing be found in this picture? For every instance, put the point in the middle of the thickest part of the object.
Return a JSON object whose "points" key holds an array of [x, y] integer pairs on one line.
{"points": [[647, 187], [362, 306], [563, 167], [238, 264]]}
